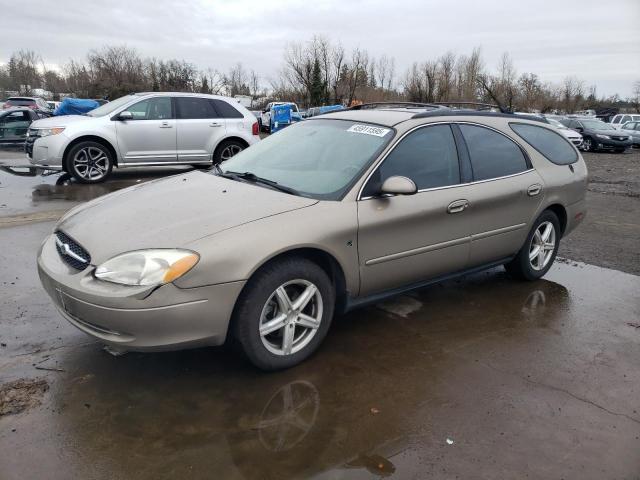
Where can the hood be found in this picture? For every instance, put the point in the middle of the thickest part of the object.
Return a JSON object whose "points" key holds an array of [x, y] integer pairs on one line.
{"points": [[60, 121], [614, 132], [171, 212]]}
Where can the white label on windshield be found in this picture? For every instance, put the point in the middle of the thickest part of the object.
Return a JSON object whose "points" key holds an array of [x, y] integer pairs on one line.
{"points": [[368, 130]]}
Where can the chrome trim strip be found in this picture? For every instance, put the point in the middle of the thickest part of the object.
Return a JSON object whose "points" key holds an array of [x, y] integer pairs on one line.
{"points": [[497, 231], [161, 164], [68, 252], [424, 125], [418, 251]]}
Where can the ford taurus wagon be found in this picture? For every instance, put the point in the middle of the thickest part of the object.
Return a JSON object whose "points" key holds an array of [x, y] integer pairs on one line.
{"points": [[324, 216]]}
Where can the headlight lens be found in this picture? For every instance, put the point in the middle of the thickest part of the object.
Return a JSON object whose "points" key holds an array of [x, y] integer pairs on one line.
{"points": [[147, 267], [45, 132], [603, 136]]}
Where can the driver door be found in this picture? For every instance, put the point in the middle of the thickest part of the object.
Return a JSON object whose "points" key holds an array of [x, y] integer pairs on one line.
{"points": [[407, 239], [150, 137]]}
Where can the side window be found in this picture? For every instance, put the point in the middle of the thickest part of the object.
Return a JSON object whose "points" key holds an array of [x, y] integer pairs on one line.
{"points": [[152, 109], [194, 108], [427, 156], [625, 119], [225, 110], [550, 144], [16, 117], [616, 119], [492, 154]]}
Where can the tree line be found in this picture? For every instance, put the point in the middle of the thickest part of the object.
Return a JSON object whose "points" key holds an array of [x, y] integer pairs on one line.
{"points": [[314, 72]]}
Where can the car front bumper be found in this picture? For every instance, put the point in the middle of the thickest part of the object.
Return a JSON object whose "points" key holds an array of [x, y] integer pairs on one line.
{"points": [[46, 151], [137, 318], [610, 144]]}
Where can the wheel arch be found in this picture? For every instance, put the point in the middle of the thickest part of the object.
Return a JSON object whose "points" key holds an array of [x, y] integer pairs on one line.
{"points": [[560, 212], [89, 138], [320, 257]]}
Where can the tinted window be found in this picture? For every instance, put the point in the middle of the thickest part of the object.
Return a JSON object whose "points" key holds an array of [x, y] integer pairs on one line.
{"points": [[225, 110], [15, 117], [152, 109], [193, 107], [20, 102], [616, 119], [625, 119], [550, 144], [427, 156], [492, 154]]}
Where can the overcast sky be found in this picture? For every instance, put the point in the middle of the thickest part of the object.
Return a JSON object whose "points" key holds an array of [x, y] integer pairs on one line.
{"points": [[594, 40]]}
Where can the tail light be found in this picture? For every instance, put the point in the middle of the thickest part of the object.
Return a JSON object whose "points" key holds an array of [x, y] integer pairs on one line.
{"points": [[255, 129]]}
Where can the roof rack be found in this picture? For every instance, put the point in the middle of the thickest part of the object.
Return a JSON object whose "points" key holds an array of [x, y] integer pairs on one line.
{"points": [[372, 105], [482, 106]]}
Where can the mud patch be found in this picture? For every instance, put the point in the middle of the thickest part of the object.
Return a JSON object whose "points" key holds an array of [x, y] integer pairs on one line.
{"points": [[21, 395]]}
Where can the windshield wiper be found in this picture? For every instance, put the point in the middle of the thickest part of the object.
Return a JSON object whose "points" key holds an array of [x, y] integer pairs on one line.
{"points": [[252, 177]]}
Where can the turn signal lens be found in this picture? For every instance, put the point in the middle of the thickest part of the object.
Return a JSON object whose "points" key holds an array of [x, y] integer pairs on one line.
{"points": [[179, 268]]}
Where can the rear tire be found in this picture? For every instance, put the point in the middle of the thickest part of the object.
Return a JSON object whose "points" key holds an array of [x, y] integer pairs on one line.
{"points": [[284, 313], [539, 251], [226, 150], [620, 150], [89, 162]]}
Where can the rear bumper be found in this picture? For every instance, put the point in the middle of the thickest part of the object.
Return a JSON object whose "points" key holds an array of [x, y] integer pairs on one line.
{"points": [[576, 214], [137, 318]]}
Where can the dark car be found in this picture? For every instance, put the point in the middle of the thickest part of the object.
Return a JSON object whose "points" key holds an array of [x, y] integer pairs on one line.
{"points": [[14, 124], [35, 103], [598, 135]]}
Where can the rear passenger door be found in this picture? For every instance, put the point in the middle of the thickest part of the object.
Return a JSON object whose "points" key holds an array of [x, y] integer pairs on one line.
{"points": [[503, 197], [407, 239], [199, 129]]}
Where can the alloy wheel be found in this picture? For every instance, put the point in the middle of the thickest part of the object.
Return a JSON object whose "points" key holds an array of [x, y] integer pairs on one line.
{"points": [[543, 244], [230, 151], [291, 317], [91, 163]]}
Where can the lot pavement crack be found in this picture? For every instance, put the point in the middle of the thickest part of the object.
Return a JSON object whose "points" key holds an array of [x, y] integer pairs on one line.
{"points": [[553, 387]]}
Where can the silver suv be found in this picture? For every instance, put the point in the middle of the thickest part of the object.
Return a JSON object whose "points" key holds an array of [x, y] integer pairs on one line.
{"points": [[327, 215], [143, 129]]}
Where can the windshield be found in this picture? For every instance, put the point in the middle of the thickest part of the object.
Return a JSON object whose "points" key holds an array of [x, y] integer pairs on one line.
{"points": [[596, 125], [317, 158], [107, 108]]}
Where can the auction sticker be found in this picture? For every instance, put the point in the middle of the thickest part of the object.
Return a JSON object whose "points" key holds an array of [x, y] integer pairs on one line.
{"points": [[368, 130]]}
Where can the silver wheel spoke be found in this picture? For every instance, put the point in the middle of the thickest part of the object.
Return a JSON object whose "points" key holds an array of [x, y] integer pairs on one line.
{"points": [[542, 246], [287, 338], [303, 300], [547, 232], [273, 325], [534, 253], [308, 321], [284, 301]]}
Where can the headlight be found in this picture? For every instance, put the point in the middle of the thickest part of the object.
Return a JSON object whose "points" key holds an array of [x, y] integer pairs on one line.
{"points": [[607, 137], [147, 267], [45, 132]]}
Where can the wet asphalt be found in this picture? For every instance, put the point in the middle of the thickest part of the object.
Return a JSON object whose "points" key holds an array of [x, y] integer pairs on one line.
{"points": [[483, 377]]}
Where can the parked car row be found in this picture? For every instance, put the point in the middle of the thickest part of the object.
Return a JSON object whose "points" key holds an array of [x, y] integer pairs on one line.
{"points": [[142, 129], [15, 122]]}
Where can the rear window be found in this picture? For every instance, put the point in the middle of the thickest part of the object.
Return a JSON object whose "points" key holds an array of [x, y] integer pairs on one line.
{"points": [[553, 146], [20, 102], [225, 110], [492, 154]]}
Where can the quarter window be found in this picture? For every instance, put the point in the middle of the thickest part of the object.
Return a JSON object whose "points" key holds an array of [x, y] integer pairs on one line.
{"points": [[492, 154], [158, 108], [427, 156], [550, 144], [194, 107], [225, 110]]}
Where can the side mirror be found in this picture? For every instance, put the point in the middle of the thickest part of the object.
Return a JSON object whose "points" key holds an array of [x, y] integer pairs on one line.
{"points": [[126, 115], [398, 185]]}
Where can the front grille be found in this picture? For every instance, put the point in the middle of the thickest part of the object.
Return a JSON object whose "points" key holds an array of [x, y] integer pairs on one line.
{"points": [[71, 252], [619, 138]]}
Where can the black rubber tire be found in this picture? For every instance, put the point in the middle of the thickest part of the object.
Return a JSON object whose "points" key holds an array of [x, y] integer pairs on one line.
{"points": [[593, 145], [217, 155], [69, 167], [520, 267], [620, 150], [246, 315]]}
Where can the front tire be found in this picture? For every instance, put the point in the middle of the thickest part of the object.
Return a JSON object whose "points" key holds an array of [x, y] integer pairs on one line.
{"points": [[589, 145], [89, 162], [284, 313], [539, 251]]}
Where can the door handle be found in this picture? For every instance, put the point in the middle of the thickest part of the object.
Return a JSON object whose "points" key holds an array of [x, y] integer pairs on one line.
{"points": [[165, 125], [534, 190], [215, 124], [458, 206]]}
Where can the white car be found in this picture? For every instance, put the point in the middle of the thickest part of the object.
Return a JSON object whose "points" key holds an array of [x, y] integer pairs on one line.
{"points": [[622, 118], [143, 129], [571, 135], [265, 116]]}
